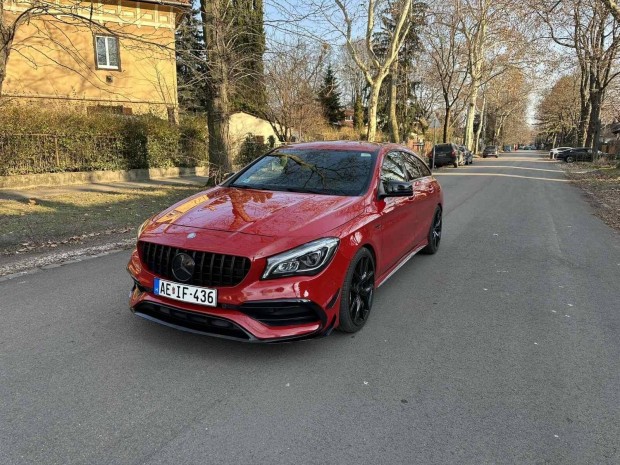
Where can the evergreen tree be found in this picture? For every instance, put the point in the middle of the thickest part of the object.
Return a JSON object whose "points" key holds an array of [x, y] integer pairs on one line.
{"points": [[190, 61], [330, 97], [248, 37]]}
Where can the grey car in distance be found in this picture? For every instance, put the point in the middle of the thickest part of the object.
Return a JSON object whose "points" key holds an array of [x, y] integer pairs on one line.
{"points": [[490, 151]]}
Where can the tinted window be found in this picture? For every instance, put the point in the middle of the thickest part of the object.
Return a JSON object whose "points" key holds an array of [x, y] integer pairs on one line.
{"points": [[423, 168], [415, 167], [392, 168], [443, 148], [329, 172]]}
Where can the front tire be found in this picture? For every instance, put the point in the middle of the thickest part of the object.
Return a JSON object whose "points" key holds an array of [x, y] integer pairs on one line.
{"points": [[358, 292], [434, 234], [570, 159]]}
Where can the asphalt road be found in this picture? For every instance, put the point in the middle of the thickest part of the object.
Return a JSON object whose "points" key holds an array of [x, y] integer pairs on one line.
{"points": [[502, 348]]}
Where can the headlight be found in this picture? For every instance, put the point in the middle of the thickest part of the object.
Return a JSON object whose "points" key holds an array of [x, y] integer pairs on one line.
{"points": [[307, 259], [142, 226]]}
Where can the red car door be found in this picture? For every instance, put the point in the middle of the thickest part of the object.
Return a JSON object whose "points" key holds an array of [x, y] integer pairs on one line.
{"points": [[424, 195], [397, 216]]}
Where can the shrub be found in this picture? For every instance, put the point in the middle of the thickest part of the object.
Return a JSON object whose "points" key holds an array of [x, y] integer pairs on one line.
{"points": [[250, 150], [34, 141]]}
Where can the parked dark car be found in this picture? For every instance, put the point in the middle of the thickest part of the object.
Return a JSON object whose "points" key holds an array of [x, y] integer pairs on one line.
{"points": [[553, 153], [578, 154], [445, 154], [468, 157], [490, 151]]}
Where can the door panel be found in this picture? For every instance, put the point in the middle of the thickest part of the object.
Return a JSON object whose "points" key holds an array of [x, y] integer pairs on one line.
{"points": [[396, 232]]}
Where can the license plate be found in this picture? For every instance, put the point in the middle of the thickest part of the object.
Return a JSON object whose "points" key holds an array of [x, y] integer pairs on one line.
{"points": [[185, 293]]}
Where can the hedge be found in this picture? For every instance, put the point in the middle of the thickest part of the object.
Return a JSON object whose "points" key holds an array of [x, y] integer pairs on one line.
{"points": [[34, 142]]}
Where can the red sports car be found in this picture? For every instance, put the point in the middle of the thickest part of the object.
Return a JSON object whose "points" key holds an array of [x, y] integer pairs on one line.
{"points": [[290, 247]]}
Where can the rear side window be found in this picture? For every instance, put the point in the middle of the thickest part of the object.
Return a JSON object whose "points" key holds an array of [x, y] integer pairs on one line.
{"points": [[414, 166]]}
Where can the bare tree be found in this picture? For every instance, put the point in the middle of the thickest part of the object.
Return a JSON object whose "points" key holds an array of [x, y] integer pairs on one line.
{"points": [[292, 76], [504, 98], [590, 32], [614, 8], [558, 112], [377, 68], [447, 53], [498, 38]]}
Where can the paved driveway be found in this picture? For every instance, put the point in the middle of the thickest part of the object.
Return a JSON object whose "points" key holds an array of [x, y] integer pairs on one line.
{"points": [[502, 348]]}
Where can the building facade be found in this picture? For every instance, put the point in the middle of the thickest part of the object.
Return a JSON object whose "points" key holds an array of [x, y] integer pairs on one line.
{"points": [[107, 56]]}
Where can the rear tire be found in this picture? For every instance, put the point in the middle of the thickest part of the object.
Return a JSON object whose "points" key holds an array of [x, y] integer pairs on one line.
{"points": [[357, 292], [434, 234], [570, 159]]}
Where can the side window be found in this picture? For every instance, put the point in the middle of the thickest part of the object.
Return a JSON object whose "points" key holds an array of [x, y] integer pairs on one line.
{"points": [[106, 52], [424, 170], [392, 169], [411, 166]]}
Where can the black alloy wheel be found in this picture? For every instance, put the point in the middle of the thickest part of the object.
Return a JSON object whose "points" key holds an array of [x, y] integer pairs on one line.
{"points": [[570, 159], [358, 292], [434, 234]]}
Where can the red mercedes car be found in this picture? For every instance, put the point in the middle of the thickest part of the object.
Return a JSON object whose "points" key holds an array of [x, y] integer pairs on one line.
{"points": [[290, 247]]}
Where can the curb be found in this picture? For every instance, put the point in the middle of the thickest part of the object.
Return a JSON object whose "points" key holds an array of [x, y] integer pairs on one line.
{"points": [[48, 261]]}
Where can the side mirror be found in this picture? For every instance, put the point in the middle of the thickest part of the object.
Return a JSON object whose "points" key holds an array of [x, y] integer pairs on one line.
{"points": [[396, 189]]}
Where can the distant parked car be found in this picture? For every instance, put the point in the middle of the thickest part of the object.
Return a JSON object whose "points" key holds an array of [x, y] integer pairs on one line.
{"points": [[490, 151], [578, 154], [553, 153], [445, 154], [468, 157]]}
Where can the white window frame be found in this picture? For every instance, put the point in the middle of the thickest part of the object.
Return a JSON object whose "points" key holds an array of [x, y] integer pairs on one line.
{"points": [[107, 39]]}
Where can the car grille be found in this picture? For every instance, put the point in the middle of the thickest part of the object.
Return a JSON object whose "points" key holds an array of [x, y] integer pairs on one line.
{"points": [[211, 269]]}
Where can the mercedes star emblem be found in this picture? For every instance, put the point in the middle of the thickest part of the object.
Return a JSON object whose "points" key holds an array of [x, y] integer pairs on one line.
{"points": [[183, 267]]}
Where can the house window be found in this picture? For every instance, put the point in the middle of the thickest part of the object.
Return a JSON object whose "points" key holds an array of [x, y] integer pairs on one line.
{"points": [[106, 52]]}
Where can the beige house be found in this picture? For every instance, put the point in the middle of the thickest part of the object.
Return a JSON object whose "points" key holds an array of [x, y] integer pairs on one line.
{"points": [[244, 124], [109, 55]]}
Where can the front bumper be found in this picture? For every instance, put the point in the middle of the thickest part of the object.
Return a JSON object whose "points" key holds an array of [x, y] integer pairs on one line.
{"points": [[256, 310]]}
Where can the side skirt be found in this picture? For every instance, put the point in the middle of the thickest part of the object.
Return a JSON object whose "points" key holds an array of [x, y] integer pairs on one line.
{"points": [[402, 262]]}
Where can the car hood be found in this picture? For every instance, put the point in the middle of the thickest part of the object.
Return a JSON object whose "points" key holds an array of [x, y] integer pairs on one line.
{"points": [[263, 213]]}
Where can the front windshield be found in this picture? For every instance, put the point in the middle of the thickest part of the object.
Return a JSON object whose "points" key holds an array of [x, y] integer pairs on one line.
{"points": [[319, 171]]}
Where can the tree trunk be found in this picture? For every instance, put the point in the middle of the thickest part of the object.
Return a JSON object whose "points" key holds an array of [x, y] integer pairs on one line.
{"points": [[584, 113], [217, 98], [372, 108], [446, 122], [480, 126], [6, 41], [471, 114], [394, 130], [594, 120]]}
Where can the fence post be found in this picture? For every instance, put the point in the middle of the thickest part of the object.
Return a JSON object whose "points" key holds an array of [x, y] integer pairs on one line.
{"points": [[56, 151]]}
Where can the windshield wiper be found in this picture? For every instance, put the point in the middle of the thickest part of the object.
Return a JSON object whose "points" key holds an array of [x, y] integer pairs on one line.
{"points": [[304, 190], [258, 188]]}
